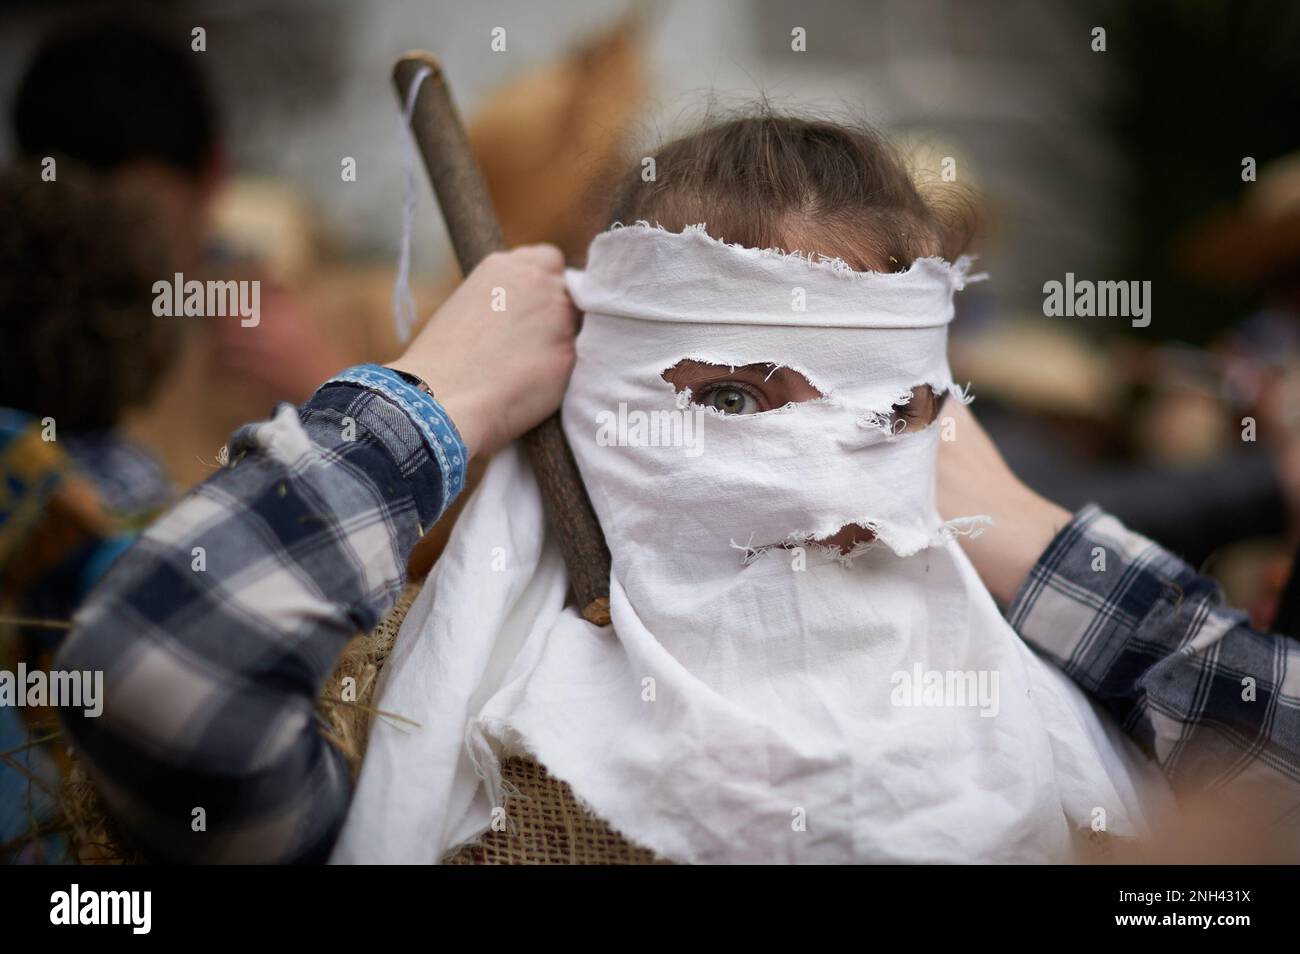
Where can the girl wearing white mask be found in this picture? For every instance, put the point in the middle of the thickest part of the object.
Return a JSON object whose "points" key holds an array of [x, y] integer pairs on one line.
{"points": [[802, 666]]}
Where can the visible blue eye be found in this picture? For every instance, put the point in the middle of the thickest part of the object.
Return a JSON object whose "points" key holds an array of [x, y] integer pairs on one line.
{"points": [[729, 399]]}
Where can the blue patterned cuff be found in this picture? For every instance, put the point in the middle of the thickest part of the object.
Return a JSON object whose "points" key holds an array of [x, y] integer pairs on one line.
{"points": [[432, 420]]}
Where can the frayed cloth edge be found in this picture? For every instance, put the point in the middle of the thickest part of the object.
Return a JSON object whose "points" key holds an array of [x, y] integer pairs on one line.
{"points": [[958, 271]]}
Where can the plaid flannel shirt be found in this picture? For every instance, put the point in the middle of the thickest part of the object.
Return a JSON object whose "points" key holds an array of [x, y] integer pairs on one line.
{"points": [[217, 630], [1215, 703]]}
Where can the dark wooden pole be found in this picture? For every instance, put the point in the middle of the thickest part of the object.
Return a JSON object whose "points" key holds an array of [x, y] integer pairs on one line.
{"points": [[474, 231]]}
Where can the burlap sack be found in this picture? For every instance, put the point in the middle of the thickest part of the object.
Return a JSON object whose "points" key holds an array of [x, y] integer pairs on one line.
{"points": [[543, 823]]}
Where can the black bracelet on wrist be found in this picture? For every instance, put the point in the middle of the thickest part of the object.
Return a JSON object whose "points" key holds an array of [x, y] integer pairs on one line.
{"points": [[415, 381]]}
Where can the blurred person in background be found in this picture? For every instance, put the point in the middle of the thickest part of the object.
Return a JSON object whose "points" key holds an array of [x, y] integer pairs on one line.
{"points": [[1173, 427], [1195, 446], [82, 351], [131, 103], [1253, 245], [96, 391]]}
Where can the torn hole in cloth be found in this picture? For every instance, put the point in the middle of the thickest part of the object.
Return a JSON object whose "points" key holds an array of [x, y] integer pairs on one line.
{"points": [[727, 700], [854, 538], [742, 390], [731, 391], [802, 459]]}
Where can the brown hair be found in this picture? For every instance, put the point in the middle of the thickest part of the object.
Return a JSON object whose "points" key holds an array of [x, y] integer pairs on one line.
{"points": [[78, 338], [770, 181]]}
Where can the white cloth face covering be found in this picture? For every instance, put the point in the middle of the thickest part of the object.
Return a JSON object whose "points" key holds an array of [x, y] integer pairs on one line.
{"points": [[758, 698]]}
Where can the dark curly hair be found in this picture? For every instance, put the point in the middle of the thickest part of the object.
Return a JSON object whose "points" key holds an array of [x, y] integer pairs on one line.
{"points": [[113, 90], [78, 338]]}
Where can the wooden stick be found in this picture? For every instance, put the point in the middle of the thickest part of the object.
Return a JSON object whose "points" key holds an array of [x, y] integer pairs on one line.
{"points": [[474, 231]]}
